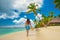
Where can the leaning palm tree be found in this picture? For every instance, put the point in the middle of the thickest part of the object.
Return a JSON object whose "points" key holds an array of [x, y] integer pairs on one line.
{"points": [[57, 3], [33, 8]]}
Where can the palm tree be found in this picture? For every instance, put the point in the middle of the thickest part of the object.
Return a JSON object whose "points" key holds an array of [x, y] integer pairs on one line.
{"points": [[33, 8], [51, 16], [47, 19], [57, 3]]}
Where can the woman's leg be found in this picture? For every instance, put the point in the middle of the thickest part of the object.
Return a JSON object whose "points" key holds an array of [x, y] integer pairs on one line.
{"points": [[27, 32]]}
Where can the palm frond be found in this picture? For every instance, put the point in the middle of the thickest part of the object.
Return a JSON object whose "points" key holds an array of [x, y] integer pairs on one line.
{"points": [[31, 6], [38, 10], [34, 12], [29, 11], [57, 3]]}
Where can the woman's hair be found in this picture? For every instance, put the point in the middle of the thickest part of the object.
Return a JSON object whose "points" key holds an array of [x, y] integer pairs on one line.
{"points": [[28, 21]]}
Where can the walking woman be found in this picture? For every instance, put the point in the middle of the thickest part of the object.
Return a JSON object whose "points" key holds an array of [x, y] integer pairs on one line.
{"points": [[28, 26]]}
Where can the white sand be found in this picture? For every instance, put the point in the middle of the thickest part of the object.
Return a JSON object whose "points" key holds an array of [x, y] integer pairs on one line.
{"points": [[49, 33]]}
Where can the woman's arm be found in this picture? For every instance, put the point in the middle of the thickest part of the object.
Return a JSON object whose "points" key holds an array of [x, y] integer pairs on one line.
{"points": [[30, 25]]}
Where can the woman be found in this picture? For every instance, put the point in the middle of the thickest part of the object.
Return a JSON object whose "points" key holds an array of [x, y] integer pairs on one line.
{"points": [[27, 26]]}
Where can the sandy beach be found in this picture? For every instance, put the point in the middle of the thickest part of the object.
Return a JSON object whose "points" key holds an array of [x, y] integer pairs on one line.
{"points": [[45, 33]]}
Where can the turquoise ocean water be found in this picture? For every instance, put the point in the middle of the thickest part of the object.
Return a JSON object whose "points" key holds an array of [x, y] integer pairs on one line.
{"points": [[4, 31]]}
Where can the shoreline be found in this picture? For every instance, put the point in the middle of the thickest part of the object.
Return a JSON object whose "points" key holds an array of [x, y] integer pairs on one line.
{"points": [[5, 31], [11, 33], [49, 33]]}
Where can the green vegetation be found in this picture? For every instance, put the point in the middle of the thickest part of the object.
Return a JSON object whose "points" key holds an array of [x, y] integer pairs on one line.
{"points": [[57, 3], [33, 8], [59, 15], [46, 19]]}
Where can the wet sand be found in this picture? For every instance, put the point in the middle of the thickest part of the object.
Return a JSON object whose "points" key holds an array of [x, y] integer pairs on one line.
{"points": [[45, 33]]}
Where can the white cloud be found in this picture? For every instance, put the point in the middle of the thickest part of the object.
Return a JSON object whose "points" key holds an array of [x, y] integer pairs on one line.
{"points": [[22, 21], [39, 17], [7, 7], [22, 5], [4, 16], [15, 15]]}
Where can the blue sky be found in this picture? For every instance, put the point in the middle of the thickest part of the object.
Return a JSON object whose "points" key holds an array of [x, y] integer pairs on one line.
{"points": [[47, 7]]}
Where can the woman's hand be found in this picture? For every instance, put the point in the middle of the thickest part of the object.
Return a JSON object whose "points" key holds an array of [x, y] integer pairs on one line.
{"points": [[31, 27]]}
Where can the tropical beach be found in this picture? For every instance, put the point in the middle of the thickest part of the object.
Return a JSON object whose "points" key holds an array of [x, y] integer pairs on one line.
{"points": [[29, 19], [49, 33]]}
